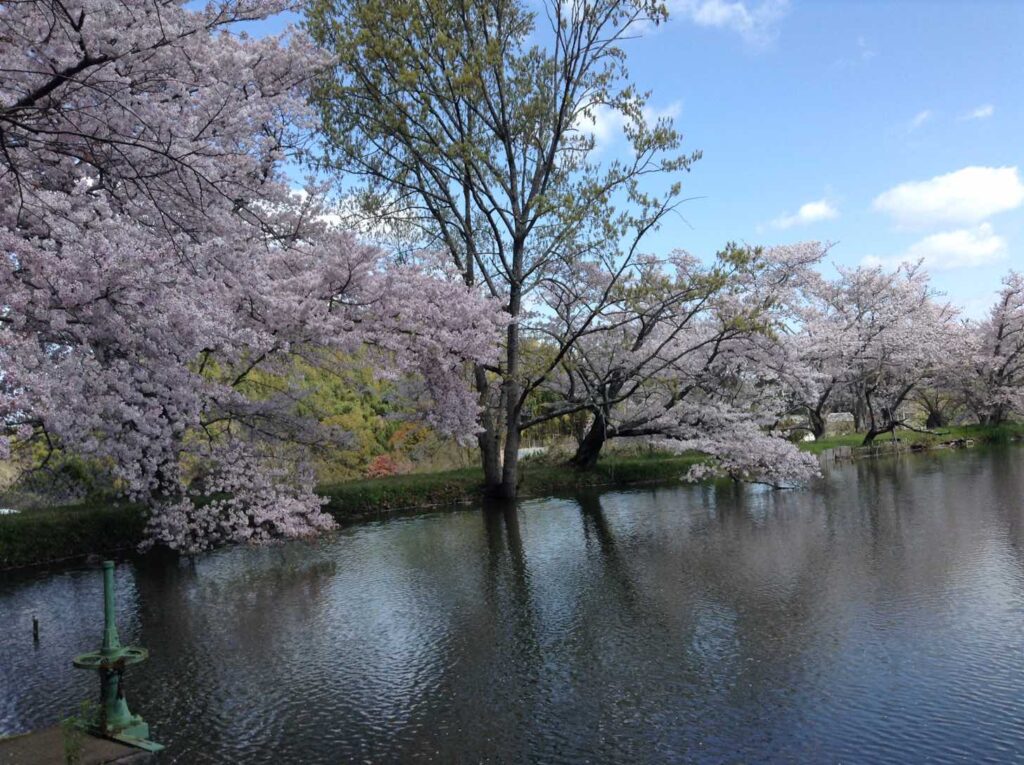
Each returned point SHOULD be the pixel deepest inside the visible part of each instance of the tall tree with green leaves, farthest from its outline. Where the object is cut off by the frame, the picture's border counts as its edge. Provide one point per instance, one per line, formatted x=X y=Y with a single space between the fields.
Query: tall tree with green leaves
x=470 y=127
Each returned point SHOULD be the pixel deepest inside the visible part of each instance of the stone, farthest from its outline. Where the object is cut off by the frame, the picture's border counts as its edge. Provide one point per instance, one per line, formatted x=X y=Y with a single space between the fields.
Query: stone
x=839 y=423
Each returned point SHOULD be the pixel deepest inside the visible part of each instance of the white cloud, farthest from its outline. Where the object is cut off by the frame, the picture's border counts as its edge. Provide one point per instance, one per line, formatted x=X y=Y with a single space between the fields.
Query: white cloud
x=604 y=124
x=962 y=248
x=810 y=212
x=919 y=119
x=980 y=113
x=607 y=125
x=757 y=22
x=332 y=215
x=966 y=196
x=672 y=111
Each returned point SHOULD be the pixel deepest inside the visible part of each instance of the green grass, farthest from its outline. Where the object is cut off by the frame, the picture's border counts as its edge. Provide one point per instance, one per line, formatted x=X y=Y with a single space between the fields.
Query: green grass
x=850 y=439
x=982 y=434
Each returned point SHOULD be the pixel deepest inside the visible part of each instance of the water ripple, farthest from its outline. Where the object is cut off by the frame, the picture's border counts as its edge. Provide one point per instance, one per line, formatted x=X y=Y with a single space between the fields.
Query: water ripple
x=878 y=618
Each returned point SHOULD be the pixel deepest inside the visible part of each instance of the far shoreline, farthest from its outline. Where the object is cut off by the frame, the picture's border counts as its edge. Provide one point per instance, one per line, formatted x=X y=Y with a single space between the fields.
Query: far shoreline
x=66 y=534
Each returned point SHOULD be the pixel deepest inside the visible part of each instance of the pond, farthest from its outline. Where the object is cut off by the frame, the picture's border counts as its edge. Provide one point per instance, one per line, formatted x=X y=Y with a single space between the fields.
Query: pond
x=875 y=617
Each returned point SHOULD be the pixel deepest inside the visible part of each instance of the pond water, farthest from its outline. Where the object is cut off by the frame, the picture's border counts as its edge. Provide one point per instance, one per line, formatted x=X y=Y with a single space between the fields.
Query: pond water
x=876 y=617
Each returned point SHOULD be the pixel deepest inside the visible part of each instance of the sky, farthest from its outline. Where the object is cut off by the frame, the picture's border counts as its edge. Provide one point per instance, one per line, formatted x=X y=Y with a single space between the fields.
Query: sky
x=892 y=130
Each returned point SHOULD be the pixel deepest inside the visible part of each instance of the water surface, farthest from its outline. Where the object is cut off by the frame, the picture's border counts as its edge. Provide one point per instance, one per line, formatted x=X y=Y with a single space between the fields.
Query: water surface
x=877 y=617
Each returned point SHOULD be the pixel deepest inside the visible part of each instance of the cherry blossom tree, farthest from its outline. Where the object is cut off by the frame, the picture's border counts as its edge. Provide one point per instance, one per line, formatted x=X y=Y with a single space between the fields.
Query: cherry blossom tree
x=155 y=258
x=904 y=357
x=993 y=372
x=869 y=339
x=940 y=403
x=685 y=353
x=942 y=400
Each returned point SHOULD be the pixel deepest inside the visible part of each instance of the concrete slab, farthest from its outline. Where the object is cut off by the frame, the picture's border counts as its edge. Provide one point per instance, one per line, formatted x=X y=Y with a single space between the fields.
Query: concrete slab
x=46 y=747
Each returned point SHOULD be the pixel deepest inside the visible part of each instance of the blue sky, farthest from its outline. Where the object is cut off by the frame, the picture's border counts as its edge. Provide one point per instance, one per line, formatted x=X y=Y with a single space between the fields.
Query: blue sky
x=894 y=130
x=832 y=105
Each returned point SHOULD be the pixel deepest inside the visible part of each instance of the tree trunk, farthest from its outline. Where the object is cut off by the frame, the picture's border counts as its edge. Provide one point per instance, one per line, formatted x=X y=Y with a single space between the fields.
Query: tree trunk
x=995 y=415
x=489 y=438
x=861 y=412
x=513 y=407
x=874 y=433
x=510 y=468
x=936 y=419
x=590 y=447
x=490 y=454
x=817 y=423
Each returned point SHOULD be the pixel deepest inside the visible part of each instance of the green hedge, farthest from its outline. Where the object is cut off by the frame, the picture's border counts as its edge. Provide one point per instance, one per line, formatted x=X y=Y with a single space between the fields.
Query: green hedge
x=37 y=536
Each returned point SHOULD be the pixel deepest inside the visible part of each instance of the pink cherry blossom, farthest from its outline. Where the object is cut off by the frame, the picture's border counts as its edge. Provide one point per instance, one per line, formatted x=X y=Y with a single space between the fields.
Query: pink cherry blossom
x=991 y=375
x=155 y=260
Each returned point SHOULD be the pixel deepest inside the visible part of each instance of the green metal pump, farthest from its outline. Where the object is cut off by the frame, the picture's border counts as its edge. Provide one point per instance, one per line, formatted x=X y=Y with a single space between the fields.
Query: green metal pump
x=114 y=720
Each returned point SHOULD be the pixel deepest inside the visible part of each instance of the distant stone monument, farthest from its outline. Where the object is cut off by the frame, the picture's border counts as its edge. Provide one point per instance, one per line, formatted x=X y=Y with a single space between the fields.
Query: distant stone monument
x=839 y=423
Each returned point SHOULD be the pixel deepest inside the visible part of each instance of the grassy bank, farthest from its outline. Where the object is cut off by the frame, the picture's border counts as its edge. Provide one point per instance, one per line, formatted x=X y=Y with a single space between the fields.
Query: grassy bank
x=53 y=534
x=39 y=536
x=359 y=499
x=981 y=434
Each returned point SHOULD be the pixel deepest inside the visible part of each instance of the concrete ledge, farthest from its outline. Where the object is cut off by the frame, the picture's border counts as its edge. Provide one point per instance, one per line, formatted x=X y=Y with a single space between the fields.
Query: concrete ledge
x=46 y=747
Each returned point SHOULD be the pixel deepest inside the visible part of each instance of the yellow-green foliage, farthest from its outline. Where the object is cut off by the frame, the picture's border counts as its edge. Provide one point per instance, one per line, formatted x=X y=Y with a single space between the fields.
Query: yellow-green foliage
x=347 y=393
x=8 y=472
